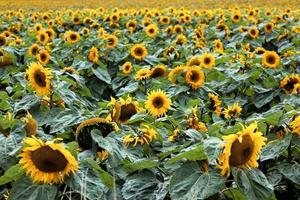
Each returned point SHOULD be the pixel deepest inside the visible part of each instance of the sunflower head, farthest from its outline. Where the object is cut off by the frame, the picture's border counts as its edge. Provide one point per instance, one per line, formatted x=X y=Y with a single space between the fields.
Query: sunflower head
x=2 y=40
x=218 y=45
x=31 y=125
x=39 y=78
x=253 y=32
x=232 y=111
x=43 y=57
x=295 y=126
x=181 y=39
x=138 y=51
x=270 y=59
x=34 y=49
x=143 y=74
x=177 y=71
x=291 y=84
x=127 y=68
x=72 y=37
x=194 y=61
x=158 y=103
x=236 y=17
x=195 y=77
x=165 y=20
x=177 y=29
x=151 y=30
x=93 y=55
x=159 y=71
x=207 y=60
x=46 y=162
x=215 y=104
x=241 y=149
x=268 y=28
x=111 y=41
x=42 y=37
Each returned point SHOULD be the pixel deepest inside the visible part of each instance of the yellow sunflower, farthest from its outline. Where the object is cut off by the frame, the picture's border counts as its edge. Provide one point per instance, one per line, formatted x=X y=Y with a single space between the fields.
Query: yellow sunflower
x=143 y=74
x=194 y=61
x=72 y=37
x=270 y=59
x=218 y=46
x=232 y=111
x=295 y=125
x=2 y=40
x=195 y=77
x=151 y=30
x=236 y=17
x=31 y=125
x=179 y=70
x=43 y=57
x=178 y=29
x=127 y=68
x=42 y=37
x=215 y=104
x=158 y=103
x=165 y=20
x=46 y=162
x=181 y=39
x=291 y=84
x=159 y=71
x=37 y=27
x=93 y=55
x=268 y=28
x=138 y=51
x=34 y=49
x=207 y=60
x=241 y=149
x=253 y=32
x=111 y=41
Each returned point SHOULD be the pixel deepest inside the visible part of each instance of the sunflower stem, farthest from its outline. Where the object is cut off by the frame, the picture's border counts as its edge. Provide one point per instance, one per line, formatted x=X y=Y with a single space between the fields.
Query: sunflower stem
x=145 y=86
x=51 y=100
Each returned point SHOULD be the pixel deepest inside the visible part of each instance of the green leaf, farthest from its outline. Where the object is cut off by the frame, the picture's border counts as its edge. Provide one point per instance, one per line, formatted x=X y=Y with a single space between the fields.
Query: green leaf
x=140 y=164
x=290 y=171
x=25 y=189
x=106 y=177
x=273 y=149
x=188 y=182
x=262 y=99
x=192 y=153
x=12 y=174
x=252 y=183
x=212 y=148
x=234 y=194
x=129 y=88
x=102 y=74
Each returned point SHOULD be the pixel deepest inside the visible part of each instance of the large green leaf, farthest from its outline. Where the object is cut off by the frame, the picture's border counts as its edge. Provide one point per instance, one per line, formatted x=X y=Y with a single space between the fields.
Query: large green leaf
x=140 y=164
x=290 y=171
x=234 y=194
x=12 y=174
x=102 y=74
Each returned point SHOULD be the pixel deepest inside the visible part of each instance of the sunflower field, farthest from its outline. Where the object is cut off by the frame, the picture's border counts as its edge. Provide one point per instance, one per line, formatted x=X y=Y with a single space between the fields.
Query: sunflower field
x=147 y=101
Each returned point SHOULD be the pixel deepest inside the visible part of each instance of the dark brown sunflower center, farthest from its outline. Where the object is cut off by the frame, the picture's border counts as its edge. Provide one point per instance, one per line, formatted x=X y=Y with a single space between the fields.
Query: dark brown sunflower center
x=194 y=76
x=151 y=30
x=207 y=61
x=253 y=32
x=110 y=41
x=289 y=86
x=2 y=41
x=270 y=59
x=127 y=67
x=218 y=45
x=127 y=111
x=269 y=27
x=165 y=20
x=42 y=37
x=236 y=17
x=40 y=78
x=34 y=50
x=158 y=72
x=260 y=51
x=138 y=51
x=158 y=102
x=43 y=57
x=76 y=19
x=241 y=152
x=48 y=160
x=38 y=28
x=73 y=37
x=232 y=113
x=178 y=30
x=114 y=18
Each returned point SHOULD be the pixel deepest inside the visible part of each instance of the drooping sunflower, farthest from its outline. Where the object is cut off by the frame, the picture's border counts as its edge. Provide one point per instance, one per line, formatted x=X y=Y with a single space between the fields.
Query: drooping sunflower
x=127 y=68
x=42 y=37
x=195 y=77
x=291 y=84
x=194 y=61
x=124 y=109
x=232 y=111
x=93 y=55
x=138 y=51
x=72 y=37
x=46 y=162
x=159 y=71
x=34 y=50
x=179 y=70
x=39 y=78
x=215 y=104
x=295 y=125
x=270 y=59
x=111 y=41
x=253 y=32
x=208 y=60
x=146 y=135
x=158 y=103
x=241 y=149
x=43 y=57
x=151 y=30
x=268 y=28
x=194 y=122
x=31 y=125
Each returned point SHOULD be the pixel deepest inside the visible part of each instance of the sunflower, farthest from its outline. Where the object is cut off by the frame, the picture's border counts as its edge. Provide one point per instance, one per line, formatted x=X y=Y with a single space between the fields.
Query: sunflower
x=268 y=28
x=295 y=125
x=207 y=60
x=131 y=24
x=143 y=74
x=83 y=131
x=218 y=46
x=179 y=70
x=194 y=61
x=42 y=37
x=72 y=37
x=51 y=33
x=151 y=30
x=270 y=59
x=158 y=103
x=138 y=51
x=127 y=68
x=34 y=49
x=159 y=71
x=43 y=57
x=46 y=162
x=215 y=104
x=93 y=55
x=76 y=20
x=165 y=20
x=181 y=39
x=195 y=77
x=232 y=111
x=236 y=17
x=37 y=27
x=146 y=136
x=2 y=40
x=102 y=154
x=39 y=78
x=111 y=41
x=124 y=109
x=291 y=84
x=241 y=149
x=31 y=125
x=253 y=32
x=194 y=123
